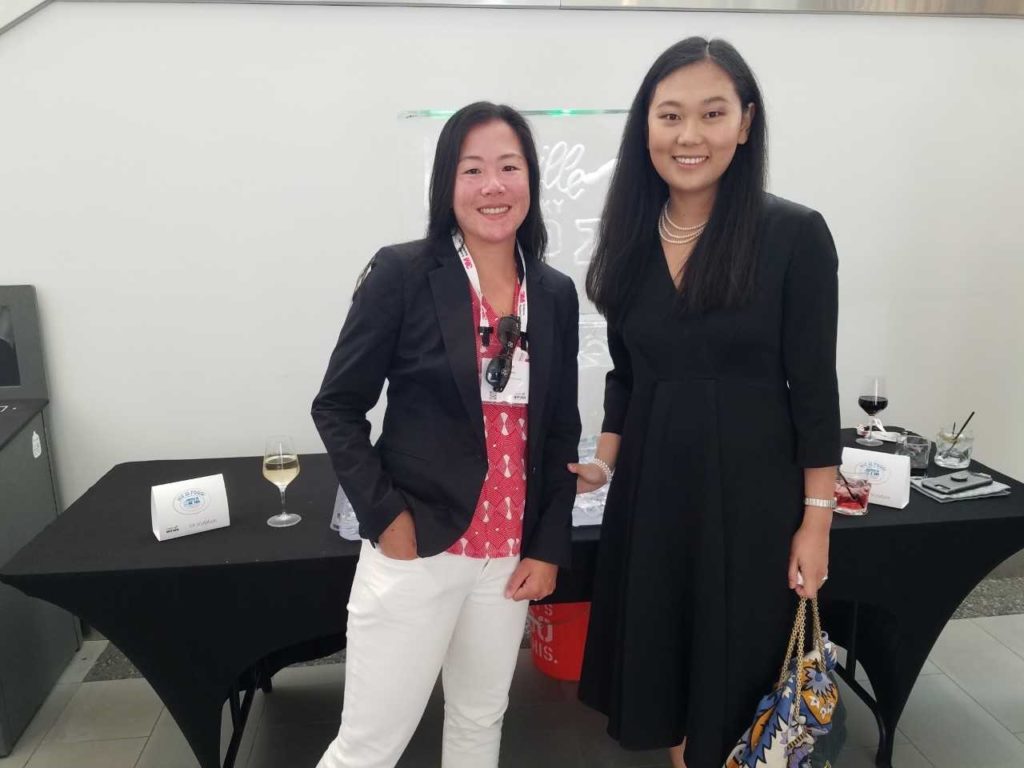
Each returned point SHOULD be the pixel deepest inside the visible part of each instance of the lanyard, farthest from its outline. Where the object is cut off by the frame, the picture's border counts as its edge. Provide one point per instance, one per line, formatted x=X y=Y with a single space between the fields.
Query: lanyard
x=474 y=278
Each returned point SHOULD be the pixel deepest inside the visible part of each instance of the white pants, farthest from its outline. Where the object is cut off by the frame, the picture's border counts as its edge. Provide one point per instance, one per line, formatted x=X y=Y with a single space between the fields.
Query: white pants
x=408 y=620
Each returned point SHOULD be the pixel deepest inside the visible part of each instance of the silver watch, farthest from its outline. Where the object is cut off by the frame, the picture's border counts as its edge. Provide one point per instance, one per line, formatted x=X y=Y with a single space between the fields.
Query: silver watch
x=823 y=503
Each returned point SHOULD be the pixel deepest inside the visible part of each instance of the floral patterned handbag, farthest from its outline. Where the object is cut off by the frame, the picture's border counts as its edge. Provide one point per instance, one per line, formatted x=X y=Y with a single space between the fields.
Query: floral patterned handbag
x=799 y=710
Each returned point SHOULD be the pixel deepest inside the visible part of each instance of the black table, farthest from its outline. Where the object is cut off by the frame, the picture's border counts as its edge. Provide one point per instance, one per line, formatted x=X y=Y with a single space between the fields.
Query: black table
x=210 y=617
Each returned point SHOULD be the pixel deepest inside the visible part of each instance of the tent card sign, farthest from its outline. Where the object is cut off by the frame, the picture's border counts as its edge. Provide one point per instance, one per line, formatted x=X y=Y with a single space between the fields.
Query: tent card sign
x=889 y=475
x=190 y=506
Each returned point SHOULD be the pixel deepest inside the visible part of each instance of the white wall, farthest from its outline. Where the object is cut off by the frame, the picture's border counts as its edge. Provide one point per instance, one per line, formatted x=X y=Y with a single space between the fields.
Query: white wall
x=193 y=188
x=11 y=11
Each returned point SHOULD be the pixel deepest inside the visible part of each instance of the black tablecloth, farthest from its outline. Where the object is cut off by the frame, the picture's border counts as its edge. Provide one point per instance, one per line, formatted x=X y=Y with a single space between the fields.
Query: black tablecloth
x=197 y=614
x=194 y=613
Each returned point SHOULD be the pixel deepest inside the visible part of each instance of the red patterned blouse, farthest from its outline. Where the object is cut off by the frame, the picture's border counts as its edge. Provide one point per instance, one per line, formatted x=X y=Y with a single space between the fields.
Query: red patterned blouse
x=497 y=526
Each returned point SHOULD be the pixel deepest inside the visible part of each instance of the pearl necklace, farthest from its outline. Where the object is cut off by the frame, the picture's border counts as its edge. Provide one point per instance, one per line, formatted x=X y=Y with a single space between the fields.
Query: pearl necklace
x=681 y=235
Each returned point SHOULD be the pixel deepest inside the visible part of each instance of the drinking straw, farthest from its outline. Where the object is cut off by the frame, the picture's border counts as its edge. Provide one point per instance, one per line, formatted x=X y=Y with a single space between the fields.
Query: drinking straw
x=843 y=478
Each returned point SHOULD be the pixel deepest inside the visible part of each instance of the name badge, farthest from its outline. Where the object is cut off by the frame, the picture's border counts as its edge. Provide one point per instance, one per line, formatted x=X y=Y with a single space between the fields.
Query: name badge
x=517 y=391
x=190 y=506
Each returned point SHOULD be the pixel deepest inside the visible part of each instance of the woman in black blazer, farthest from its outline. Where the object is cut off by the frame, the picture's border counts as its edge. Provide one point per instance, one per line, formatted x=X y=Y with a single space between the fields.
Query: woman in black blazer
x=465 y=501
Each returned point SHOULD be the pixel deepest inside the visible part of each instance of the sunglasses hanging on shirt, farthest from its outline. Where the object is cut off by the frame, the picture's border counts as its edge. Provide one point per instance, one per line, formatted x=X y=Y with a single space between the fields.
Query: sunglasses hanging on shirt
x=511 y=329
x=486 y=331
x=500 y=368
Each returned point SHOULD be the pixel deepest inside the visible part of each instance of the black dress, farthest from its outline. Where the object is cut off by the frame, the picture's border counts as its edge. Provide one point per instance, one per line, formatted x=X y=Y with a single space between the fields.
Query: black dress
x=719 y=414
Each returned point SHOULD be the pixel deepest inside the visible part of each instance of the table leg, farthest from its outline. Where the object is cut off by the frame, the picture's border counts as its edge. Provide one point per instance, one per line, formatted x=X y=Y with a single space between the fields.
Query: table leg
x=848 y=673
x=240 y=705
x=264 y=678
x=883 y=757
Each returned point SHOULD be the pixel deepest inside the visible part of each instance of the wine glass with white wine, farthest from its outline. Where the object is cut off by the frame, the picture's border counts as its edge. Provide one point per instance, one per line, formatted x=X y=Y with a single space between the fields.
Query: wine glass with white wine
x=281 y=466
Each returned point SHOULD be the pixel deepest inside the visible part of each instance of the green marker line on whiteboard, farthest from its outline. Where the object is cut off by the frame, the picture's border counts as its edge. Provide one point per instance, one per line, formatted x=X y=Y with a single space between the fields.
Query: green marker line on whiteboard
x=446 y=113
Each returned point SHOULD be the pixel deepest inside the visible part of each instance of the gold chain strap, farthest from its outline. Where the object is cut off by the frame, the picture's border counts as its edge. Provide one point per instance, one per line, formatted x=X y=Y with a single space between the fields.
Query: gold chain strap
x=798 y=632
x=797 y=638
x=819 y=641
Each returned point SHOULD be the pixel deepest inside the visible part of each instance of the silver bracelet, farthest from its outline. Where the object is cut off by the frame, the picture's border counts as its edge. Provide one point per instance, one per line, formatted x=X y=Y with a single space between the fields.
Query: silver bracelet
x=823 y=503
x=603 y=466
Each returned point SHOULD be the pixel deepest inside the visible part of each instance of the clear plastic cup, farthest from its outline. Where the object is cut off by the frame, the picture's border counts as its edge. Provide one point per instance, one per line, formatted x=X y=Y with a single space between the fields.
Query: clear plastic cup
x=853 y=489
x=954 y=452
x=918 y=449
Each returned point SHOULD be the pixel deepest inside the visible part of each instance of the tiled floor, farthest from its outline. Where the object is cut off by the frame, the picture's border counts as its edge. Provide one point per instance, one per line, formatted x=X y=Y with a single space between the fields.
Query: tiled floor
x=966 y=711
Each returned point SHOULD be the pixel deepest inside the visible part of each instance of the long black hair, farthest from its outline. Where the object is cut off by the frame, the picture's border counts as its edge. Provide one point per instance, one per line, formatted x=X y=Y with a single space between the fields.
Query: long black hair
x=532 y=234
x=720 y=271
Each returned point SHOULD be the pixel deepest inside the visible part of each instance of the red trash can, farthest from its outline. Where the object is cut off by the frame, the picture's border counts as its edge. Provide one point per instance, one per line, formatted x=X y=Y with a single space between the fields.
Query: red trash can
x=557 y=636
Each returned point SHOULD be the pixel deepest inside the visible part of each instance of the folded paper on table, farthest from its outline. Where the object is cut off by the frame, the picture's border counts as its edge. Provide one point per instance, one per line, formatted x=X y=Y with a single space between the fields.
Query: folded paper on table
x=189 y=506
x=889 y=475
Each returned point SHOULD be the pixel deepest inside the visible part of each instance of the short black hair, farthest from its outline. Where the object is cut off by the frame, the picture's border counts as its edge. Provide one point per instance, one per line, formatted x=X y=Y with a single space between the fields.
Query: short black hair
x=532 y=234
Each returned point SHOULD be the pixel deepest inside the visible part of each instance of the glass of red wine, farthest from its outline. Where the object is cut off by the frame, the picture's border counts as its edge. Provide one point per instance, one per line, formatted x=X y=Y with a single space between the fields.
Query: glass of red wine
x=872 y=400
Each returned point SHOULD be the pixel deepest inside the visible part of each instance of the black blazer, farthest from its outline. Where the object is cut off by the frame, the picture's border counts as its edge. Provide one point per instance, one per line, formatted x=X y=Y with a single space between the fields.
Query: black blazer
x=411 y=323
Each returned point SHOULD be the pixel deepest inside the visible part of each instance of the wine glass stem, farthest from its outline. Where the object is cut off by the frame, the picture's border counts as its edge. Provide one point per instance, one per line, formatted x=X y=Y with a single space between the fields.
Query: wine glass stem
x=283 y=512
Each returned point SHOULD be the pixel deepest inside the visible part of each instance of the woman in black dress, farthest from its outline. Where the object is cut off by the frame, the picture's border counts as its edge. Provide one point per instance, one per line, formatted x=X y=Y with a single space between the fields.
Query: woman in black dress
x=721 y=413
